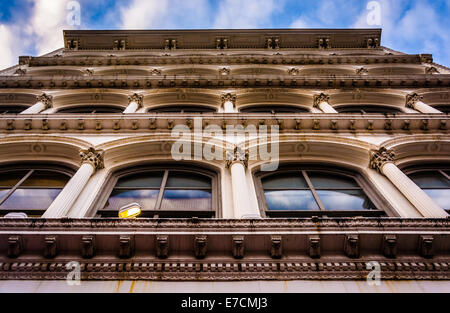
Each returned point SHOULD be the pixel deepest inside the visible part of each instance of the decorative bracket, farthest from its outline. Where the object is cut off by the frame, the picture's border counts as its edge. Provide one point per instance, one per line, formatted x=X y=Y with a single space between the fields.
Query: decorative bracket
x=14 y=246
x=351 y=246
x=238 y=247
x=276 y=249
x=314 y=246
x=390 y=246
x=126 y=247
x=426 y=246
x=200 y=246
x=50 y=246
x=162 y=247
x=87 y=246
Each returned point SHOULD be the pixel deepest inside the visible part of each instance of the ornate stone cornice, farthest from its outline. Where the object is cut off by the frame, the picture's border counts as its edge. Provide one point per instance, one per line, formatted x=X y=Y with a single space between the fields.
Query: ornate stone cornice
x=139 y=99
x=318 y=99
x=228 y=98
x=412 y=99
x=93 y=157
x=380 y=158
x=47 y=100
x=89 y=242
x=238 y=155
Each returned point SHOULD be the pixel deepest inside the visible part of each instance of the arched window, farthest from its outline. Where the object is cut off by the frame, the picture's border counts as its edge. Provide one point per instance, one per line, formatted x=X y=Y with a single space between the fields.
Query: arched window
x=364 y=109
x=313 y=191
x=164 y=193
x=435 y=182
x=30 y=190
x=274 y=109
x=443 y=108
x=12 y=109
x=98 y=109
x=183 y=109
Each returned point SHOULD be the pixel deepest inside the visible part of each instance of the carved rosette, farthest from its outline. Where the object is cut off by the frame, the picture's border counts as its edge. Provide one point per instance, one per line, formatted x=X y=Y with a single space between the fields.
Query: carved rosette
x=412 y=99
x=229 y=98
x=238 y=155
x=93 y=157
x=380 y=158
x=139 y=99
x=318 y=99
x=47 y=100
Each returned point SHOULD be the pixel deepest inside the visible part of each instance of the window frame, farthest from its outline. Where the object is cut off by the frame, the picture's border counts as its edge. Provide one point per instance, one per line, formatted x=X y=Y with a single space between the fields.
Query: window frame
x=160 y=109
x=360 y=107
x=302 y=109
x=383 y=207
x=215 y=211
x=92 y=107
x=29 y=170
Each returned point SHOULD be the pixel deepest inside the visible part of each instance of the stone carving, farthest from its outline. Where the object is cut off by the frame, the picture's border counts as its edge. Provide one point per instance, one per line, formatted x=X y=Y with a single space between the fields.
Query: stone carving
x=224 y=71
x=390 y=246
x=372 y=43
x=412 y=99
x=72 y=44
x=431 y=70
x=228 y=98
x=273 y=43
x=314 y=246
x=50 y=246
x=362 y=71
x=89 y=72
x=126 y=246
x=294 y=71
x=47 y=100
x=93 y=157
x=351 y=246
x=276 y=248
x=87 y=246
x=14 y=246
x=162 y=247
x=120 y=44
x=238 y=247
x=238 y=155
x=170 y=44
x=318 y=99
x=426 y=246
x=200 y=246
x=20 y=72
x=323 y=43
x=380 y=158
x=156 y=72
x=221 y=43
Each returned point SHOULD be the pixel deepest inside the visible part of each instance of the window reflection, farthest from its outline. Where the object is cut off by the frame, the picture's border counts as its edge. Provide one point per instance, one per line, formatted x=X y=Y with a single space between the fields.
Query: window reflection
x=436 y=184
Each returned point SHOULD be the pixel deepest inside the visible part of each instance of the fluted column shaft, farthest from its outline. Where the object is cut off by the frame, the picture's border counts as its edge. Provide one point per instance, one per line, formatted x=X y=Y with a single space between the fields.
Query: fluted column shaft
x=91 y=161
x=131 y=108
x=43 y=102
x=383 y=161
x=241 y=199
x=414 y=101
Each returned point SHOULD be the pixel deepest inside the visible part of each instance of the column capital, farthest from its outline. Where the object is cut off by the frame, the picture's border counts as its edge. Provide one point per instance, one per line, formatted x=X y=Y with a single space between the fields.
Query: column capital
x=46 y=99
x=238 y=155
x=412 y=99
x=229 y=98
x=93 y=157
x=319 y=98
x=379 y=158
x=138 y=98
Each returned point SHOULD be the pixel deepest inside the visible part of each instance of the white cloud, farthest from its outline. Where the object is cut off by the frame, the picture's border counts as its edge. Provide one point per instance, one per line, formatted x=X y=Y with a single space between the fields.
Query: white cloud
x=246 y=13
x=6 y=48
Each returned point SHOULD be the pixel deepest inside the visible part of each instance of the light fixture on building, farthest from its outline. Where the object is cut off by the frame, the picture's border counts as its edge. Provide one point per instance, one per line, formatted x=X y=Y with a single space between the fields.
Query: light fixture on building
x=130 y=211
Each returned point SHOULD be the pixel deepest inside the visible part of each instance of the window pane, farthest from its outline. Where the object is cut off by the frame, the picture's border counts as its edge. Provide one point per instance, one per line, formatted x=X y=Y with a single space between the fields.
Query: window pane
x=143 y=180
x=430 y=179
x=331 y=181
x=120 y=198
x=285 y=181
x=187 y=180
x=3 y=192
x=345 y=200
x=286 y=200
x=46 y=179
x=440 y=196
x=11 y=178
x=187 y=200
x=30 y=199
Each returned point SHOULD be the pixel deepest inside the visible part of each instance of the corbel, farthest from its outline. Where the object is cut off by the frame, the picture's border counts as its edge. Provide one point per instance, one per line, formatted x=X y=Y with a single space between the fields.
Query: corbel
x=276 y=247
x=14 y=246
x=314 y=246
x=200 y=246
x=426 y=246
x=162 y=246
x=238 y=247
x=351 y=246
x=50 y=246
x=390 y=246
x=87 y=246
x=126 y=246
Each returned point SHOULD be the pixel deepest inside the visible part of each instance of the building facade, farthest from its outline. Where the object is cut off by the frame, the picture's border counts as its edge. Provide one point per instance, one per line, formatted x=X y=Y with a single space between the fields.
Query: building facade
x=309 y=158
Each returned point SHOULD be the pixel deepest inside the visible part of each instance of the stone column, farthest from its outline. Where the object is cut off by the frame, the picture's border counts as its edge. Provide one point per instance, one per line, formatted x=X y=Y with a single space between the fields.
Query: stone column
x=237 y=163
x=383 y=161
x=91 y=160
x=229 y=103
x=414 y=101
x=43 y=103
x=135 y=102
x=321 y=103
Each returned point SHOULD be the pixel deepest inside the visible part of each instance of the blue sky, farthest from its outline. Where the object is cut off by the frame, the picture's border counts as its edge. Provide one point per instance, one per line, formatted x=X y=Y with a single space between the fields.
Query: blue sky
x=34 y=27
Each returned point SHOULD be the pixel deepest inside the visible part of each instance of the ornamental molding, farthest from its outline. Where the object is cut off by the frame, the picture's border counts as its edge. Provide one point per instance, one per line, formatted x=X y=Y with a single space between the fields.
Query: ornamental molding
x=93 y=157
x=412 y=99
x=46 y=99
x=228 y=98
x=318 y=99
x=380 y=158
x=148 y=249
x=238 y=155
